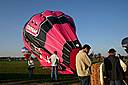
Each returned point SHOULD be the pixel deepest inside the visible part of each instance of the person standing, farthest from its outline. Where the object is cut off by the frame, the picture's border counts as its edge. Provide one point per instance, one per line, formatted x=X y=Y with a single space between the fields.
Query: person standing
x=31 y=67
x=83 y=65
x=114 y=69
x=54 y=60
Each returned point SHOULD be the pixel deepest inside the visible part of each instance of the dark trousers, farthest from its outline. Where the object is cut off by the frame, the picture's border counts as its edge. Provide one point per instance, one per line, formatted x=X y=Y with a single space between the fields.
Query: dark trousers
x=115 y=82
x=54 y=73
x=85 y=80
x=30 y=73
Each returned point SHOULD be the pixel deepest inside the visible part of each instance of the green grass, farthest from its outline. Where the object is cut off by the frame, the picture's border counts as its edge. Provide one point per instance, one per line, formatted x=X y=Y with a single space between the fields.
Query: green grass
x=13 y=67
x=20 y=67
x=17 y=70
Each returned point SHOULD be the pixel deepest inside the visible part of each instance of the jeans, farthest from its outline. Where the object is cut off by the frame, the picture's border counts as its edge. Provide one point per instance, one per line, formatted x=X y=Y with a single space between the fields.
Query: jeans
x=54 y=73
x=85 y=80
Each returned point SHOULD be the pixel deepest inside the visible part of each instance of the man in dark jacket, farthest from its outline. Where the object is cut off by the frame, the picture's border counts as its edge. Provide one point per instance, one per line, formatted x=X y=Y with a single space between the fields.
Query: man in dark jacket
x=113 y=69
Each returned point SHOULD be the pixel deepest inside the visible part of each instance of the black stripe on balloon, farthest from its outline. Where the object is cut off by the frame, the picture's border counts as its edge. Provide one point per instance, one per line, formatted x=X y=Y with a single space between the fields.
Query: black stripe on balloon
x=63 y=20
x=47 y=25
x=60 y=20
x=32 y=39
x=28 y=37
x=67 y=49
x=35 y=41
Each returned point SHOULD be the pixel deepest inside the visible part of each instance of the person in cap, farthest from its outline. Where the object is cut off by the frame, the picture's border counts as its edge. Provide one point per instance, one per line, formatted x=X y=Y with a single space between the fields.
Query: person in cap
x=83 y=64
x=114 y=69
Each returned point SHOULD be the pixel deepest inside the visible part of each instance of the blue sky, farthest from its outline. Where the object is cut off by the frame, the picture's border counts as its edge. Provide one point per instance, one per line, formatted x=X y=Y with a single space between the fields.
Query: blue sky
x=100 y=23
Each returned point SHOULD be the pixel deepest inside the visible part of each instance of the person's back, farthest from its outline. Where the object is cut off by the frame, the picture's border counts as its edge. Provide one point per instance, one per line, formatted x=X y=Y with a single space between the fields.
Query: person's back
x=113 y=68
x=54 y=59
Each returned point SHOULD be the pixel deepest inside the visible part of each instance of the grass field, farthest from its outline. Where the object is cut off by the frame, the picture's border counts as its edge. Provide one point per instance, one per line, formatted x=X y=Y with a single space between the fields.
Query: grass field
x=17 y=70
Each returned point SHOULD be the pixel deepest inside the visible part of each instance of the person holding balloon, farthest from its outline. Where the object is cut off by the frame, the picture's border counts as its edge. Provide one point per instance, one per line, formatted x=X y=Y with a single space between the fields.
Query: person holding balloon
x=54 y=63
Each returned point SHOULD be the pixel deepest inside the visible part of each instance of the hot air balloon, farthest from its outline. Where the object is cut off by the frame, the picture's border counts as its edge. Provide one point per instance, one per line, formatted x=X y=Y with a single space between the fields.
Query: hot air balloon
x=51 y=31
x=125 y=44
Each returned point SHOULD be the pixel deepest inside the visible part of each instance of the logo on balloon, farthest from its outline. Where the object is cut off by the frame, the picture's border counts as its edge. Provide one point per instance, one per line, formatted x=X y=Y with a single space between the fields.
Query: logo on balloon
x=31 y=30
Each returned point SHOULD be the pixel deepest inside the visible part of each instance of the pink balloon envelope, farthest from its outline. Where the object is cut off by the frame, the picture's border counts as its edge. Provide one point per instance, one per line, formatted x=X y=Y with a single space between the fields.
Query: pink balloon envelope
x=51 y=31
